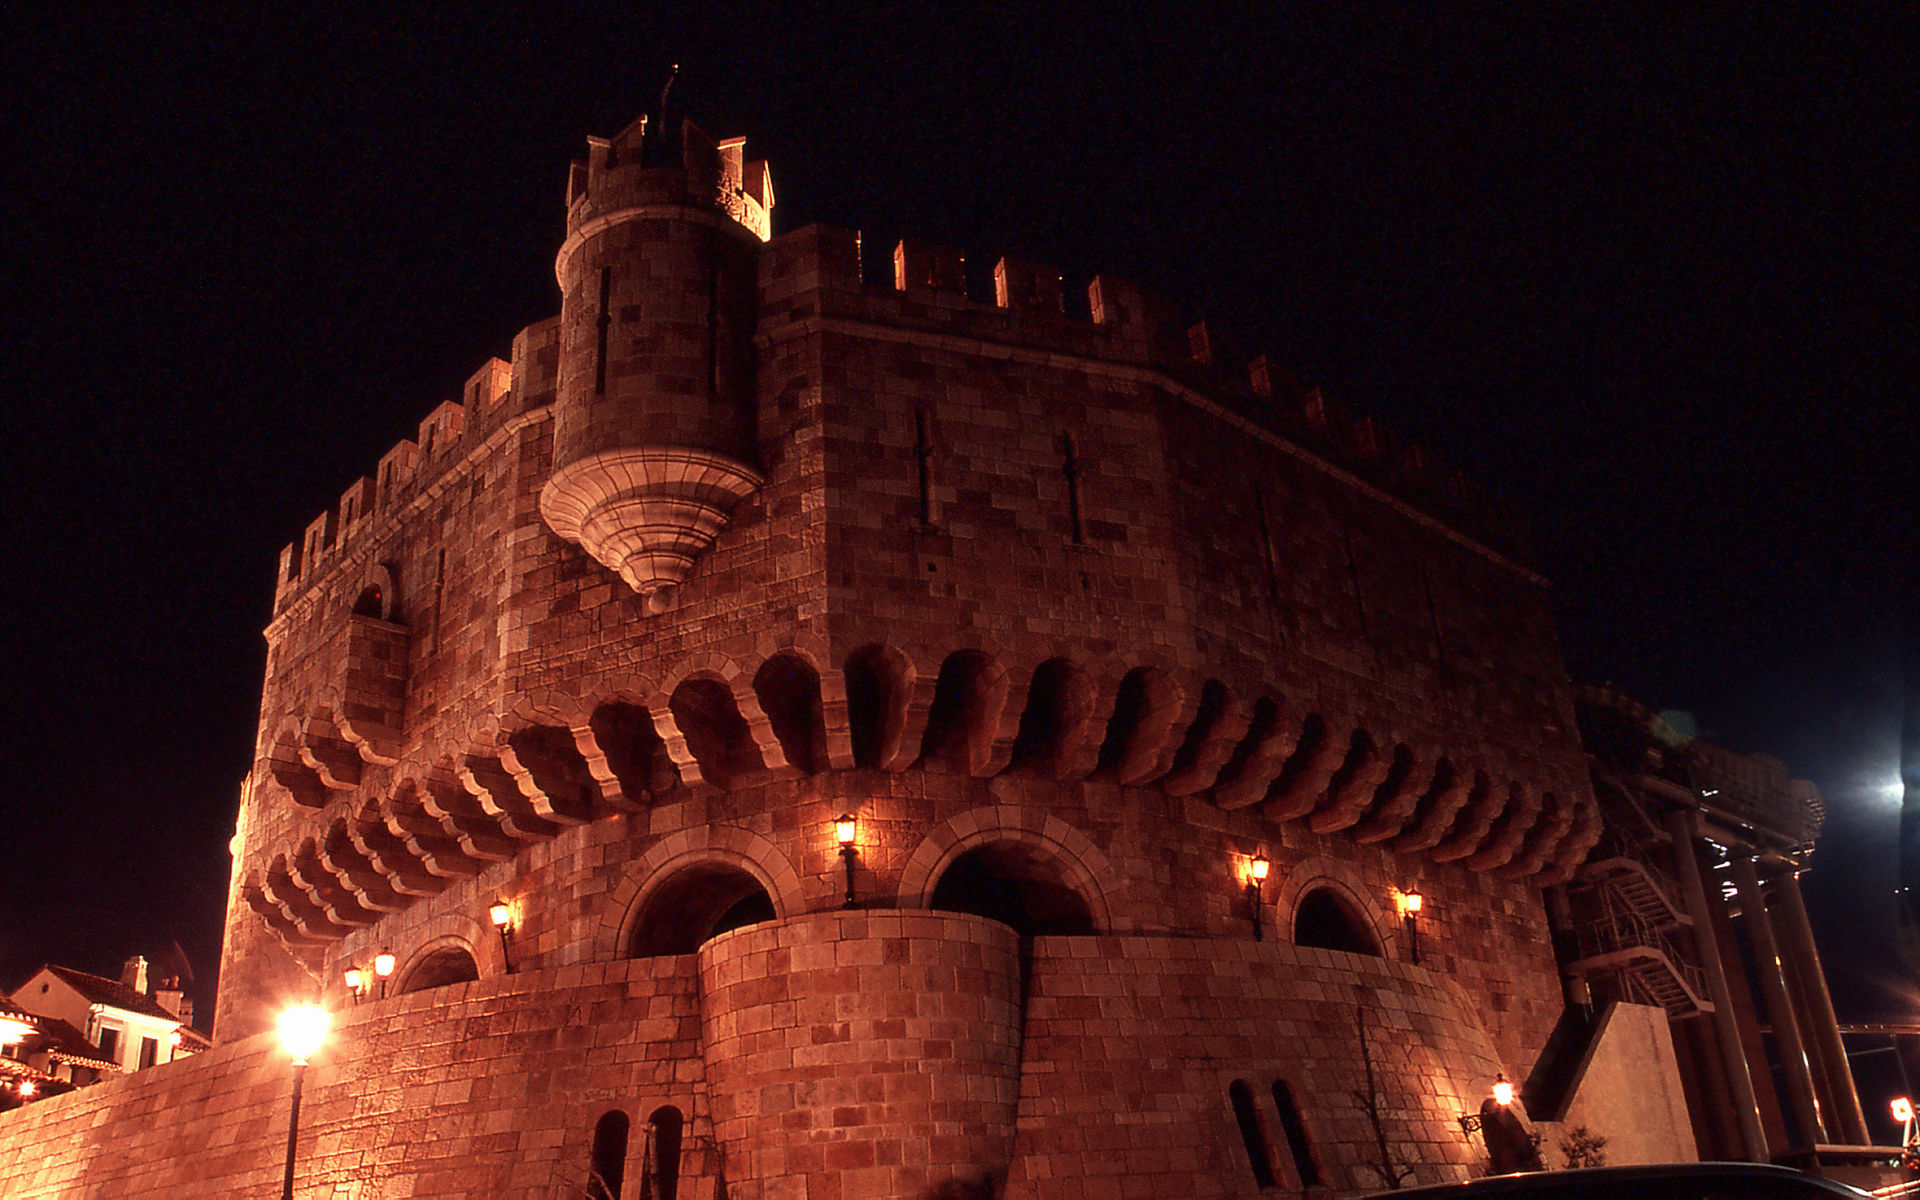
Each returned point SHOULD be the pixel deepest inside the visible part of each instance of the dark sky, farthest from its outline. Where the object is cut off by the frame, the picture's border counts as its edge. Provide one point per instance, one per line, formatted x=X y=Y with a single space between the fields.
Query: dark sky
x=1649 y=277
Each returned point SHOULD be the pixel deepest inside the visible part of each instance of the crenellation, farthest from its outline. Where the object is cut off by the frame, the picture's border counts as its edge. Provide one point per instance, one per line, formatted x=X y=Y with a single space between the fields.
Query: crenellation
x=1070 y=616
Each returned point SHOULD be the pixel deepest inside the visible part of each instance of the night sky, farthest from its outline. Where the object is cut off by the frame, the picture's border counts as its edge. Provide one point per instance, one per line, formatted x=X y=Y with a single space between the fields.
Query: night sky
x=1648 y=278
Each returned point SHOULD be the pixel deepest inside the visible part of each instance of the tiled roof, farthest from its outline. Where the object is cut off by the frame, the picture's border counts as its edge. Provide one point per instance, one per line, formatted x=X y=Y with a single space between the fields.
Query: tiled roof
x=68 y=1044
x=100 y=990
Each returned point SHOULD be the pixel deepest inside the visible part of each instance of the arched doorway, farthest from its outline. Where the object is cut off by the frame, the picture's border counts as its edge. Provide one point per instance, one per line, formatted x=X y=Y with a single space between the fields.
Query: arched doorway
x=446 y=965
x=695 y=904
x=1015 y=884
x=1325 y=921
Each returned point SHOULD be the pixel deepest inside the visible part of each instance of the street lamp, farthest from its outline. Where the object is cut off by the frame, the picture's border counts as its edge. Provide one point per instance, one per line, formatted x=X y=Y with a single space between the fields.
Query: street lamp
x=1257 y=869
x=845 y=828
x=1410 y=905
x=383 y=967
x=501 y=914
x=302 y=1029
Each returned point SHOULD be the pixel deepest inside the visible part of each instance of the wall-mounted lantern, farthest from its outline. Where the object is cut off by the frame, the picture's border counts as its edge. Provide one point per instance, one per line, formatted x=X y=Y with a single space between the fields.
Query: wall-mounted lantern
x=1257 y=868
x=1509 y=1145
x=501 y=914
x=383 y=964
x=845 y=830
x=1411 y=902
x=356 y=981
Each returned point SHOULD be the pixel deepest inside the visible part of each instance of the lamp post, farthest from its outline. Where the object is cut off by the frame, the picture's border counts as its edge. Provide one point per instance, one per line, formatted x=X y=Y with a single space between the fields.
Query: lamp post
x=1257 y=869
x=383 y=967
x=302 y=1029
x=501 y=914
x=845 y=828
x=1411 y=902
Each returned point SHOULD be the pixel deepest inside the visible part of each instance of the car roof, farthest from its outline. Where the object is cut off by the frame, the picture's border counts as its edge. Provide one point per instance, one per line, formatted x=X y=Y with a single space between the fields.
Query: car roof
x=1654 y=1181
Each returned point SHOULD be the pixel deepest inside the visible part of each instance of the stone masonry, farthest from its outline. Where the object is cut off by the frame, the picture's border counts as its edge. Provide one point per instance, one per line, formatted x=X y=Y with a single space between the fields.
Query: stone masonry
x=1075 y=616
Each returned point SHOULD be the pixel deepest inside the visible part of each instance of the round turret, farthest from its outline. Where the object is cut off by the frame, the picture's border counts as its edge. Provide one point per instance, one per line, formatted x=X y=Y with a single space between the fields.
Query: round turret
x=654 y=424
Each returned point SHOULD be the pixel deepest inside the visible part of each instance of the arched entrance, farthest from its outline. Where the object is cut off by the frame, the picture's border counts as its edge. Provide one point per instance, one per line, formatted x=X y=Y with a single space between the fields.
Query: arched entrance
x=1326 y=922
x=1013 y=883
x=448 y=964
x=695 y=904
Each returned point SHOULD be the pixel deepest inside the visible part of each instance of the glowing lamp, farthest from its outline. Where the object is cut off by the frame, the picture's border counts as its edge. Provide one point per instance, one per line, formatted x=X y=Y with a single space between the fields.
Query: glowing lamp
x=174 y=1038
x=1902 y=1109
x=844 y=829
x=13 y=1030
x=27 y=1089
x=1410 y=902
x=383 y=963
x=1259 y=867
x=1502 y=1091
x=500 y=913
x=302 y=1029
x=356 y=979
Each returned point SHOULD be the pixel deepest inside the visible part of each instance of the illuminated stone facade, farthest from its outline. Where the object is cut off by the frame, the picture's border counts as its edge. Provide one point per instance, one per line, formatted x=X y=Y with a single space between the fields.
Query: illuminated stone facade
x=1074 y=615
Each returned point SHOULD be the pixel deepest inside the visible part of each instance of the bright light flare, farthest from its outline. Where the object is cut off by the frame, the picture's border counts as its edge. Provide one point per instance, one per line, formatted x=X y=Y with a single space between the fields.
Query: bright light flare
x=1902 y=1109
x=1502 y=1092
x=302 y=1029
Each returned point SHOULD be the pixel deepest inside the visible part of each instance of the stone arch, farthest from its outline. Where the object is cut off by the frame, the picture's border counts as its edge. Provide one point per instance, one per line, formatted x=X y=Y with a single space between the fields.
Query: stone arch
x=1339 y=881
x=1150 y=708
x=1260 y=755
x=716 y=736
x=544 y=758
x=1351 y=788
x=963 y=722
x=1080 y=866
x=1057 y=717
x=376 y=598
x=787 y=686
x=625 y=752
x=880 y=684
x=283 y=764
x=439 y=963
x=1219 y=722
x=721 y=845
x=470 y=933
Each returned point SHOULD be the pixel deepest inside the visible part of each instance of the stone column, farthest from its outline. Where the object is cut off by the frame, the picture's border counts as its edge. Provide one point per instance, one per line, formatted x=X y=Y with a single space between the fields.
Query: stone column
x=1786 y=1028
x=1733 y=1058
x=1823 y=1028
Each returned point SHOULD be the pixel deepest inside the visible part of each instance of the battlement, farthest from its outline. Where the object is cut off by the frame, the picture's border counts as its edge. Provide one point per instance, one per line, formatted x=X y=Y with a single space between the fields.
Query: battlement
x=634 y=169
x=402 y=471
x=822 y=272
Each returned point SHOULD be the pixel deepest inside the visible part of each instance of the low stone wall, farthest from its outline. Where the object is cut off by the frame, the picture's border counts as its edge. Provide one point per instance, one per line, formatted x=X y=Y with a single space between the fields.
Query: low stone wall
x=1132 y=1045
x=489 y=1088
x=862 y=1053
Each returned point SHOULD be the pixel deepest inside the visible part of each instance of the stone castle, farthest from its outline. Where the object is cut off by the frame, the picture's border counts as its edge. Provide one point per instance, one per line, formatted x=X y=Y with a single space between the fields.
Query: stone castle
x=1212 y=771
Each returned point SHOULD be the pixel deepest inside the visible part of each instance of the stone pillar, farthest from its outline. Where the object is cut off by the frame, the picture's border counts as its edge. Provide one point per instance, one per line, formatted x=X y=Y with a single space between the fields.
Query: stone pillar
x=875 y=1051
x=1823 y=1029
x=1733 y=1058
x=1786 y=1028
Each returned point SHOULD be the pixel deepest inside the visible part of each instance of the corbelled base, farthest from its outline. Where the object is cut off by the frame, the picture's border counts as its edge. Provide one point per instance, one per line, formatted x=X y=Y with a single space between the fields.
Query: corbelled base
x=646 y=512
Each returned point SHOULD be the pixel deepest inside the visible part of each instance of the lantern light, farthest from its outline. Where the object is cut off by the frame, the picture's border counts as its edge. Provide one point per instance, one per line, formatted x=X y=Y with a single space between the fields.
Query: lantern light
x=1411 y=901
x=12 y=1030
x=1902 y=1109
x=1259 y=867
x=1502 y=1091
x=383 y=963
x=501 y=914
x=302 y=1029
x=356 y=980
x=27 y=1089
x=844 y=829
